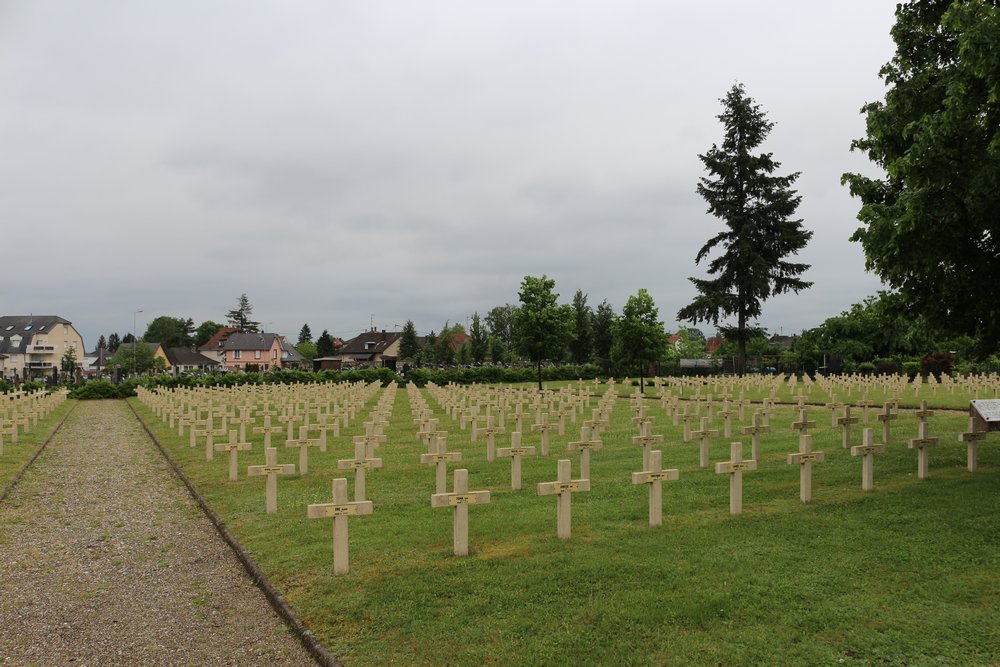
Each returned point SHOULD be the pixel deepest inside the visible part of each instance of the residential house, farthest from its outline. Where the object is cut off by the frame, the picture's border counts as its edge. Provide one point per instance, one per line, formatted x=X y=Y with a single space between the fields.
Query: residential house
x=371 y=348
x=262 y=351
x=290 y=357
x=713 y=343
x=782 y=342
x=35 y=344
x=182 y=359
x=213 y=347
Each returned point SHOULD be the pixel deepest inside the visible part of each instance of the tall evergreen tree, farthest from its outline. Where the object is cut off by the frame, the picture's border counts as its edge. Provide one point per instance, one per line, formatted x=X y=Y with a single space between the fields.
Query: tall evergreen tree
x=114 y=340
x=305 y=335
x=102 y=343
x=239 y=316
x=582 y=347
x=478 y=345
x=325 y=346
x=756 y=207
x=604 y=334
x=409 y=343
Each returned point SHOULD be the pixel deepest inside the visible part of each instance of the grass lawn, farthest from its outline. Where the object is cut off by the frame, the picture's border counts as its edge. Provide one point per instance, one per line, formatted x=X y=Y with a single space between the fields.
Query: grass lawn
x=15 y=455
x=906 y=574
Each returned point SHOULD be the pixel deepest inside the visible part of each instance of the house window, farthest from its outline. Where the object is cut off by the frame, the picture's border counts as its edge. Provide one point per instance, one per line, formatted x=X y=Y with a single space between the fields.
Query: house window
x=237 y=354
x=274 y=354
x=256 y=354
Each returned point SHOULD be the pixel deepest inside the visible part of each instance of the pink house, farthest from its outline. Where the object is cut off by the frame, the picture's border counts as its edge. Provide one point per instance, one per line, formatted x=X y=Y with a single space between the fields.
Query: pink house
x=262 y=350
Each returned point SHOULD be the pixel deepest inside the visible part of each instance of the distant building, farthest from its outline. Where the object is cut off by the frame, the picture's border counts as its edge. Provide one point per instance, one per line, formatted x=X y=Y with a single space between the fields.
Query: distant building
x=262 y=351
x=34 y=345
x=371 y=348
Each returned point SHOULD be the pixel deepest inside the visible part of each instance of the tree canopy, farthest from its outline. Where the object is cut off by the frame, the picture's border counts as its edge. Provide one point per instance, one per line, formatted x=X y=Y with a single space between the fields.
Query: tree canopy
x=542 y=327
x=239 y=316
x=757 y=207
x=639 y=336
x=170 y=331
x=931 y=224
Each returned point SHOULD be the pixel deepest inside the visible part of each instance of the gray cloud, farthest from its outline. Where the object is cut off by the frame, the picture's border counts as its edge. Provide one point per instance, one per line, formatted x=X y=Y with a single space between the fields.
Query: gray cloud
x=406 y=160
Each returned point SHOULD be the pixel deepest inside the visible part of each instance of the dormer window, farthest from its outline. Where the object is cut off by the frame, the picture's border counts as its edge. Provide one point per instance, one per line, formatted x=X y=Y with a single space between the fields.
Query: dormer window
x=370 y=345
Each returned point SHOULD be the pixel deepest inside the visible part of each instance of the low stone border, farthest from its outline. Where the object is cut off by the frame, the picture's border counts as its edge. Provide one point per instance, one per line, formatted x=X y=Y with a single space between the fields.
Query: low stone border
x=17 y=478
x=287 y=614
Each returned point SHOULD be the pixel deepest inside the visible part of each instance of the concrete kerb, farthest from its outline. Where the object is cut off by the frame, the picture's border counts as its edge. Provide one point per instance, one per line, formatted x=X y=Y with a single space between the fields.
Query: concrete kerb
x=282 y=608
x=17 y=478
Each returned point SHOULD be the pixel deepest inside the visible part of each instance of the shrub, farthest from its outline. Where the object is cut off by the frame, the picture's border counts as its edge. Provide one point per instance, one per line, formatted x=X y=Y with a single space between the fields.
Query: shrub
x=95 y=390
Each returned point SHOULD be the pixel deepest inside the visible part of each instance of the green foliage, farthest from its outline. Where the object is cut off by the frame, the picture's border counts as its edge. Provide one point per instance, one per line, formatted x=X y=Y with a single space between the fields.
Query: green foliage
x=500 y=324
x=114 y=340
x=582 y=347
x=307 y=349
x=409 y=343
x=205 y=331
x=543 y=328
x=478 y=346
x=68 y=362
x=305 y=335
x=6 y=387
x=95 y=390
x=444 y=353
x=757 y=207
x=604 y=334
x=639 y=337
x=133 y=358
x=239 y=316
x=170 y=331
x=929 y=226
x=324 y=345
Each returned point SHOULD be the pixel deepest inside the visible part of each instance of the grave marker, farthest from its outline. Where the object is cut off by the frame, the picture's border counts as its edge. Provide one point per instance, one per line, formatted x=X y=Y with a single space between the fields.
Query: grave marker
x=514 y=453
x=735 y=467
x=654 y=475
x=805 y=458
x=340 y=509
x=270 y=470
x=233 y=447
x=460 y=500
x=921 y=443
x=563 y=487
x=867 y=451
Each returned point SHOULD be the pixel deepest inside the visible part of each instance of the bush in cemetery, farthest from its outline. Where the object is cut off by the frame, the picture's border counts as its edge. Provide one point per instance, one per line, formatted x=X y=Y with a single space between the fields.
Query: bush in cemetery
x=96 y=390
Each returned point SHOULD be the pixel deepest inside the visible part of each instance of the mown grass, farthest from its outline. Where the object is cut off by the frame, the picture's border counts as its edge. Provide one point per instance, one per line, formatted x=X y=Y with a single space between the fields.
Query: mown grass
x=906 y=574
x=15 y=455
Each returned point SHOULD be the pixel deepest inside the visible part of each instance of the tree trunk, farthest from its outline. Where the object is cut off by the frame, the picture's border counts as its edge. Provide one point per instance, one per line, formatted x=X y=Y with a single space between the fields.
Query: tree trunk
x=741 y=345
x=539 y=364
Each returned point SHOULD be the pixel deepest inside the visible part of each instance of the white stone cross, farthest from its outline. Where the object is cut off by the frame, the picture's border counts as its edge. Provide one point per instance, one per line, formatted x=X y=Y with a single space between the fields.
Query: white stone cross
x=886 y=417
x=544 y=427
x=704 y=435
x=867 y=451
x=735 y=467
x=654 y=475
x=304 y=442
x=340 y=509
x=587 y=442
x=921 y=443
x=845 y=425
x=233 y=447
x=460 y=500
x=805 y=458
x=514 y=453
x=758 y=427
x=972 y=438
x=563 y=487
x=440 y=458
x=271 y=469
x=646 y=439
x=359 y=464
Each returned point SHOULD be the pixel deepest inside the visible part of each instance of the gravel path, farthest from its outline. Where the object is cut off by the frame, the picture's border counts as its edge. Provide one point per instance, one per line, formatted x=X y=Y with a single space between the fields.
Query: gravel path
x=106 y=560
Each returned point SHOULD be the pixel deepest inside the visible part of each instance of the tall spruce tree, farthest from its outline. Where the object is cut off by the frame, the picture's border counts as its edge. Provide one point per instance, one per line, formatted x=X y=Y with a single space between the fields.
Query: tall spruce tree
x=604 y=334
x=583 y=344
x=239 y=316
x=305 y=334
x=409 y=344
x=324 y=345
x=478 y=346
x=757 y=207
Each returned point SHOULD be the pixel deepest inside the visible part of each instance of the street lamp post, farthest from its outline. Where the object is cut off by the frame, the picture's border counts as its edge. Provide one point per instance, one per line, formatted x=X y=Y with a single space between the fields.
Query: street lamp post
x=135 y=361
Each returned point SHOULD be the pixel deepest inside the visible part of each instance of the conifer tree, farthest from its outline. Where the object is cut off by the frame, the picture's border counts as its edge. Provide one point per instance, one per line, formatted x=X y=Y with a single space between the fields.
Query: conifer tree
x=756 y=207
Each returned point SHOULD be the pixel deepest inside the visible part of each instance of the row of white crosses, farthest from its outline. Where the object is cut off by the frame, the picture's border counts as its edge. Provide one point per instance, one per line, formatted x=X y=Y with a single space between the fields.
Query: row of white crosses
x=21 y=411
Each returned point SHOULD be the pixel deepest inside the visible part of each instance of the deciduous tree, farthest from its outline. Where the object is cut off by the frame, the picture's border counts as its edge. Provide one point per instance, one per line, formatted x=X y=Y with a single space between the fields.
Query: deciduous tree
x=756 y=207
x=542 y=327
x=931 y=224
x=640 y=340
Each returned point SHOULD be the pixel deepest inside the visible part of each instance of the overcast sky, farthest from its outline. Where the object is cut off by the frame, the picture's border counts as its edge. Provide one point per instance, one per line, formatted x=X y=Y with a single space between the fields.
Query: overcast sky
x=349 y=162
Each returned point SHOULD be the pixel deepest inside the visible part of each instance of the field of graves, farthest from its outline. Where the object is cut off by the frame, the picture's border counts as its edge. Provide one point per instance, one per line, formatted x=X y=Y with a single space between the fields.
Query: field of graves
x=26 y=421
x=906 y=573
